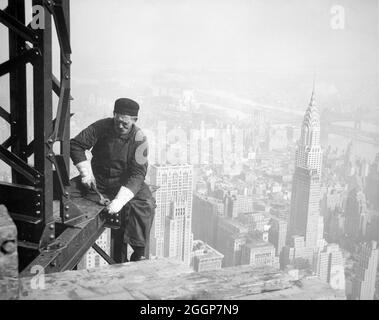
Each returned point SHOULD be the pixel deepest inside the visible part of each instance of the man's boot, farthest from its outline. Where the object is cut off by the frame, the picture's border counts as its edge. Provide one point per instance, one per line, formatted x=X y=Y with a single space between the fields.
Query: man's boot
x=138 y=254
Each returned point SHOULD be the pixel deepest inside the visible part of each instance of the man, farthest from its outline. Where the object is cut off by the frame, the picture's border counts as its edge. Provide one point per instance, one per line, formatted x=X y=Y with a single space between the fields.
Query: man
x=118 y=169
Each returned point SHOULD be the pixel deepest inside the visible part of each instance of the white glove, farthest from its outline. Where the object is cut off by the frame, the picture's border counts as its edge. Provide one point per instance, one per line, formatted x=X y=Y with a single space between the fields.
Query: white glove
x=122 y=198
x=86 y=173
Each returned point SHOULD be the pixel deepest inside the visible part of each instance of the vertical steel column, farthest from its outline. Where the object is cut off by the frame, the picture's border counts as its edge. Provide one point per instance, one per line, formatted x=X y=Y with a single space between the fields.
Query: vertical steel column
x=43 y=122
x=66 y=75
x=17 y=85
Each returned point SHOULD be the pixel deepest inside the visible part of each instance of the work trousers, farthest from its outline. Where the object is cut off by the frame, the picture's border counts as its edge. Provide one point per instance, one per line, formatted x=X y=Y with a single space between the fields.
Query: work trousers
x=136 y=218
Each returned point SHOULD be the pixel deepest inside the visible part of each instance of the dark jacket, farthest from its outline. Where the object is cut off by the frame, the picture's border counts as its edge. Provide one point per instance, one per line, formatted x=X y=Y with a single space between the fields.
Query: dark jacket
x=117 y=160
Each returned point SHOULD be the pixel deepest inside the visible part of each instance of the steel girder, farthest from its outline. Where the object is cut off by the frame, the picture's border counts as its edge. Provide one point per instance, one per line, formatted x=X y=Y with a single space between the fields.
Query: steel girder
x=56 y=245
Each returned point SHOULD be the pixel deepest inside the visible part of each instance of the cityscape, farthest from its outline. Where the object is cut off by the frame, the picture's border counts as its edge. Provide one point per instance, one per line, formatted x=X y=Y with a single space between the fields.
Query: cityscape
x=253 y=166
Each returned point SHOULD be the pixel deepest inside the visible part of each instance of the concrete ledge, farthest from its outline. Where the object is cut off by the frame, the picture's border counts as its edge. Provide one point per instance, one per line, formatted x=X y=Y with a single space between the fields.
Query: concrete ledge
x=166 y=279
x=8 y=257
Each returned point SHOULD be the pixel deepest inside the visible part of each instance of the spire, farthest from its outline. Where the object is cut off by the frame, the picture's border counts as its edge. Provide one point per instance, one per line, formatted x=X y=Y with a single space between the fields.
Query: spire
x=313 y=99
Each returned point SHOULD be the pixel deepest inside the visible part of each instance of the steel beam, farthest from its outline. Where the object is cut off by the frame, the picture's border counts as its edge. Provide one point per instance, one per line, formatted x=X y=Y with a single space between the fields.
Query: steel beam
x=43 y=119
x=16 y=26
x=33 y=175
x=7 y=143
x=70 y=246
x=18 y=61
x=66 y=76
x=58 y=9
x=103 y=254
x=5 y=115
x=17 y=83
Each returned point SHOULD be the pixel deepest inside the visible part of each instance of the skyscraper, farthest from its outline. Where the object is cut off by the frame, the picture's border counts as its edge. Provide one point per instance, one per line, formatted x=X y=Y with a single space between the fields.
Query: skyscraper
x=171 y=233
x=329 y=266
x=231 y=236
x=277 y=234
x=178 y=235
x=305 y=203
x=365 y=272
x=355 y=209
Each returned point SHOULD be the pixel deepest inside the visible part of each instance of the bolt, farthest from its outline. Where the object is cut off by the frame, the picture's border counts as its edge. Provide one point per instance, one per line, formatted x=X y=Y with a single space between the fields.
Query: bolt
x=9 y=247
x=67 y=216
x=66 y=207
x=38 y=212
x=50 y=141
x=53 y=264
x=38 y=204
x=117 y=215
x=66 y=194
x=111 y=220
x=67 y=77
x=38 y=176
x=117 y=221
x=50 y=155
x=51 y=227
x=52 y=237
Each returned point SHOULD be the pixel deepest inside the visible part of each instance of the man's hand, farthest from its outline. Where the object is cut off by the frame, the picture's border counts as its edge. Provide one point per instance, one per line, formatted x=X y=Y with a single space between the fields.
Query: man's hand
x=115 y=206
x=122 y=198
x=86 y=173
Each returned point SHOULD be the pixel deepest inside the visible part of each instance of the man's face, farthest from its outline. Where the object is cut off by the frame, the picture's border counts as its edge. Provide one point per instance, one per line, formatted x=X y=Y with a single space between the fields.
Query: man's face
x=123 y=123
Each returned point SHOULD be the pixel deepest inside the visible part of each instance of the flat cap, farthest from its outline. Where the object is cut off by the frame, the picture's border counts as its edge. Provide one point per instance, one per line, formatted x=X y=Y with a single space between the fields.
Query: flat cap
x=126 y=106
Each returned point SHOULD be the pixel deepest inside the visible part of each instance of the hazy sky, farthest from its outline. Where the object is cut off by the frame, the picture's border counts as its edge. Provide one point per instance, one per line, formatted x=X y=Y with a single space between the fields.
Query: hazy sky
x=285 y=36
x=266 y=34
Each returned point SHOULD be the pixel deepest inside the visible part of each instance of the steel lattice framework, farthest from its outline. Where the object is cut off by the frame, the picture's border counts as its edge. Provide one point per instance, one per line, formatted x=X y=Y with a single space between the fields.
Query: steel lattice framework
x=55 y=242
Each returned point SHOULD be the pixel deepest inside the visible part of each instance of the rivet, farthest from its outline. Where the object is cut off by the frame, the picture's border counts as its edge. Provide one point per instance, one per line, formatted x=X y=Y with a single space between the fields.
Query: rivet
x=117 y=221
x=38 y=212
x=50 y=141
x=67 y=216
x=52 y=237
x=53 y=264
x=38 y=204
x=67 y=76
x=51 y=227
x=9 y=247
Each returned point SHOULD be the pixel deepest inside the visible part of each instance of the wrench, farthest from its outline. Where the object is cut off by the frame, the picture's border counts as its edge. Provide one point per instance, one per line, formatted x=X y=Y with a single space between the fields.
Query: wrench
x=103 y=201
